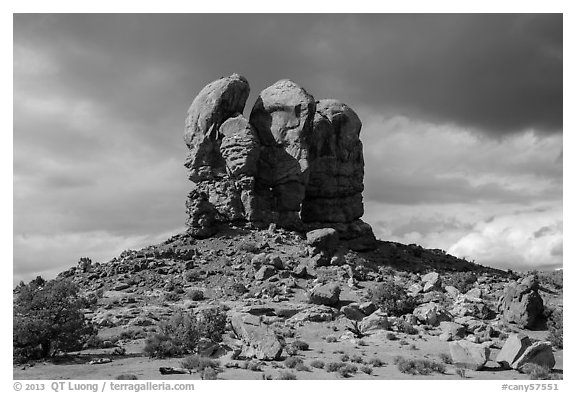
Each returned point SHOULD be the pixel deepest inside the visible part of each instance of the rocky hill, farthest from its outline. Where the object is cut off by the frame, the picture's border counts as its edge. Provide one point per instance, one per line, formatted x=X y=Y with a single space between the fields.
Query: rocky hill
x=277 y=276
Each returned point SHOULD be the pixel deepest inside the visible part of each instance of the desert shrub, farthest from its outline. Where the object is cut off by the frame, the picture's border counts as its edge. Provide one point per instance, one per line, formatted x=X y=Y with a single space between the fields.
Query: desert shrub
x=317 y=363
x=195 y=294
x=171 y=297
x=209 y=374
x=362 y=343
x=356 y=359
x=391 y=336
x=292 y=361
x=331 y=339
x=301 y=345
x=366 y=370
x=555 y=328
x=446 y=358
x=347 y=370
x=291 y=351
x=199 y=363
x=94 y=342
x=536 y=371
x=392 y=299
x=286 y=375
x=344 y=357
x=302 y=367
x=239 y=288
x=192 y=275
x=180 y=334
x=252 y=365
x=48 y=318
x=129 y=377
x=463 y=281
x=406 y=327
x=334 y=366
x=131 y=334
x=418 y=366
x=376 y=362
x=413 y=347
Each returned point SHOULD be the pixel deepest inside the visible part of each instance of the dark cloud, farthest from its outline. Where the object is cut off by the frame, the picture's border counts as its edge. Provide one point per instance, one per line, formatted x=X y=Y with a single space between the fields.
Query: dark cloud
x=424 y=188
x=498 y=72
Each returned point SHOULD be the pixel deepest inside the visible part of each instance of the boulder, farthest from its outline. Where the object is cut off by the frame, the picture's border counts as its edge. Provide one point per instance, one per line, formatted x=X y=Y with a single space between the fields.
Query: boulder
x=322 y=241
x=265 y=272
x=513 y=348
x=352 y=311
x=452 y=291
x=453 y=329
x=431 y=314
x=259 y=340
x=431 y=281
x=300 y=271
x=316 y=313
x=375 y=321
x=521 y=303
x=368 y=308
x=327 y=295
x=468 y=354
x=539 y=353
x=415 y=289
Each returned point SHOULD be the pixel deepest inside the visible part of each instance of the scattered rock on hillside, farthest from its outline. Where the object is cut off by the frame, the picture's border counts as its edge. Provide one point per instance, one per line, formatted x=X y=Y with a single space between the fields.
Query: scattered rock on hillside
x=513 y=348
x=521 y=303
x=259 y=340
x=538 y=353
x=469 y=355
x=327 y=295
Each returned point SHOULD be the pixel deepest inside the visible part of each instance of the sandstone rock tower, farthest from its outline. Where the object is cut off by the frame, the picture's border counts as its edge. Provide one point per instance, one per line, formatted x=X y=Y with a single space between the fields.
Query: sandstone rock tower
x=297 y=162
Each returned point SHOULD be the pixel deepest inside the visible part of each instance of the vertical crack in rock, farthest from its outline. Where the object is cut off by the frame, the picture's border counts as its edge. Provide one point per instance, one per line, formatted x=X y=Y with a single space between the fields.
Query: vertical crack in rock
x=297 y=162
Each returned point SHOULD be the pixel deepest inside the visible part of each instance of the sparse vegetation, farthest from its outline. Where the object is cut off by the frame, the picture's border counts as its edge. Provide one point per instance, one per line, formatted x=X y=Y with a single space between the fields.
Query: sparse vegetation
x=195 y=294
x=209 y=374
x=555 y=326
x=180 y=334
x=536 y=371
x=292 y=361
x=317 y=363
x=300 y=345
x=331 y=339
x=128 y=377
x=286 y=375
x=199 y=363
x=463 y=281
x=366 y=369
x=346 y=370
x=376 y=362
x=418 y=366
x=391 y=336
x=392 y=299
x=446 y=358
x=334 y=366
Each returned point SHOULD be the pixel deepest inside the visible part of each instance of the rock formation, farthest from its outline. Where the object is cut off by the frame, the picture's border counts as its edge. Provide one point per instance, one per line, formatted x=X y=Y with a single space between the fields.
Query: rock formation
x=297 y=162
x=521 y=303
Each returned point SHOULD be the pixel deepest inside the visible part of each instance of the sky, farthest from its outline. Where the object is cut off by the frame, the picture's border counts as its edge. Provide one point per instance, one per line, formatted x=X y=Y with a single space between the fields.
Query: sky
x=462 y=124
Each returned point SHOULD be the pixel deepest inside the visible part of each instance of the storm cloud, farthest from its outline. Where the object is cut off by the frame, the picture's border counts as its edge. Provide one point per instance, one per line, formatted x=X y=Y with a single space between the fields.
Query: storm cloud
x=462 y=121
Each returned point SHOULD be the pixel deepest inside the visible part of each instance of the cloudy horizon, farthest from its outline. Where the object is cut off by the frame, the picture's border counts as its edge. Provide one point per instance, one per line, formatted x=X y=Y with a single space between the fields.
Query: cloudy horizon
x=462 y=125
